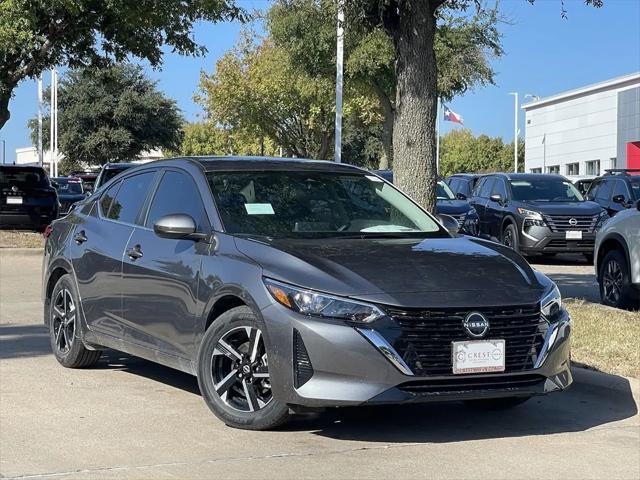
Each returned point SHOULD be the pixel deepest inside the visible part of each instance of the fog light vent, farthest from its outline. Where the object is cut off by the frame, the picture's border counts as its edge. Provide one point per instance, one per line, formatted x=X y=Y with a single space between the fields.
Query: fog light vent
x=302 y=368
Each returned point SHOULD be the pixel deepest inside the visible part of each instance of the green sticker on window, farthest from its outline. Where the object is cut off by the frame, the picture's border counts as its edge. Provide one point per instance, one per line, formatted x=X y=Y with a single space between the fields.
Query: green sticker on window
x=259 y=208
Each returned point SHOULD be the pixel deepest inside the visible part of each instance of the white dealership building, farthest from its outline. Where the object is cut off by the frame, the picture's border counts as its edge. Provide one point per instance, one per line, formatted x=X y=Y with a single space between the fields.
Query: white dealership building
x=585 y=131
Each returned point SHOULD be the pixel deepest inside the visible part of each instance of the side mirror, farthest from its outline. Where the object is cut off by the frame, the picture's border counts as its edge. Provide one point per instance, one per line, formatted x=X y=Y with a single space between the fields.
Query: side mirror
x=55 y=185
x=449 y=223
x=177 y=226
x=619 y=199
x=496 y=198
x=461 y=196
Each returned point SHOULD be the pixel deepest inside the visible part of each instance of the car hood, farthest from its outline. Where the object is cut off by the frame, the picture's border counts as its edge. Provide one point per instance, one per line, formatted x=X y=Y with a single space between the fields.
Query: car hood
x=563 y=208
x=461 y=271
x=452 y=207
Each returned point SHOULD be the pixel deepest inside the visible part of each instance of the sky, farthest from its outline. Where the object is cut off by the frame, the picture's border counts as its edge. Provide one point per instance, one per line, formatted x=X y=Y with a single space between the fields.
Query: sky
x=544 y=55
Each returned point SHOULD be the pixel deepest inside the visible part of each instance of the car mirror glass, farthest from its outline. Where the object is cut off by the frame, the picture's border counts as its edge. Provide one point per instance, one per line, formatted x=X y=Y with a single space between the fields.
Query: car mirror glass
x=449 y=223
x=619 y=199
x=461 y=196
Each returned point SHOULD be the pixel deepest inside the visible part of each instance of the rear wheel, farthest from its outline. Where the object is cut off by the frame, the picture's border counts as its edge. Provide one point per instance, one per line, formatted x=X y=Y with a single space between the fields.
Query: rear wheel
x=64 y=327
x=234 y=375
x=497 y=403
x=510 y=237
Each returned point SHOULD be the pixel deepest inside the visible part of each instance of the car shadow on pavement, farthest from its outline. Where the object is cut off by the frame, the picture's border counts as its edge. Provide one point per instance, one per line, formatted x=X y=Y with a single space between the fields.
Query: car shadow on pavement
x=594 y=400
x=19 y=341
x=577 y=285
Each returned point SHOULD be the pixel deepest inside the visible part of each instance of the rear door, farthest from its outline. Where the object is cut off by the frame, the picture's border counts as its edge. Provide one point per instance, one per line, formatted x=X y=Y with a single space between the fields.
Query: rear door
x=160 y=282
x=98 y=246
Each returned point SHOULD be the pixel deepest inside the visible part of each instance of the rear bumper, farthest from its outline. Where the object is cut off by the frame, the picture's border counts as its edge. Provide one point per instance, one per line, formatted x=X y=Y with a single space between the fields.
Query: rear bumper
x=29 y=216
x=349 y=370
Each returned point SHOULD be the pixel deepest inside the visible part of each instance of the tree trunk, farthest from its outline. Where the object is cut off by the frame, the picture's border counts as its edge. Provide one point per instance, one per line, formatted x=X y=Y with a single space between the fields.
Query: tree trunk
x=4 y=107
x=386 y=161
x=414 y=135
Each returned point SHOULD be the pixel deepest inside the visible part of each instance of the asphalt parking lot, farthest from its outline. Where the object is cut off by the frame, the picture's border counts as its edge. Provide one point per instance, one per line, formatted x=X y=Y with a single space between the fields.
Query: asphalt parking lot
x=128 y=418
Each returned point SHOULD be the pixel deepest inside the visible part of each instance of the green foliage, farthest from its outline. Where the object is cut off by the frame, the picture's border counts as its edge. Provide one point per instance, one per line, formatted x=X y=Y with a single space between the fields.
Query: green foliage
x=461 y=152
x=209 y=139
x=68 y=165
x=38 y=34
x=112 y=114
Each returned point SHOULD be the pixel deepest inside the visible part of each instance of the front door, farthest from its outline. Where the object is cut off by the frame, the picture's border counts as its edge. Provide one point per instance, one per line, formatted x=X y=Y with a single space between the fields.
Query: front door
x=161 y=276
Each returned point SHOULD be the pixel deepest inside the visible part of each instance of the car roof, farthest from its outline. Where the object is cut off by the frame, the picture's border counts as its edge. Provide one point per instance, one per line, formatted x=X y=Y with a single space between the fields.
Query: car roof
x=467 y=175
x=22 y=167
x=120 y=165
x=528 y=176
x=212 y=163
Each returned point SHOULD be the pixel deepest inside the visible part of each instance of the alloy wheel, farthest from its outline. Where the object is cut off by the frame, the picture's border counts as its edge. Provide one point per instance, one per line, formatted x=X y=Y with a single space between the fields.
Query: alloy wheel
x=612 y=281
x=508 y=238
x=64 y=321
x=240 y=370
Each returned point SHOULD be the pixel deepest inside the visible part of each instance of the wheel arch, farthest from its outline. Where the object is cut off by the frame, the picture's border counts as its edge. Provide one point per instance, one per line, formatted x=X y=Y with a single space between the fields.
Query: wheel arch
x=613 y=241
x=57 y=269
x=226 y=298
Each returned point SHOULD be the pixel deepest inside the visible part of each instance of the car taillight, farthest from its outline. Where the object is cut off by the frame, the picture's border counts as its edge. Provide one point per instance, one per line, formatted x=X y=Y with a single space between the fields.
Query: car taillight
x=47 y=231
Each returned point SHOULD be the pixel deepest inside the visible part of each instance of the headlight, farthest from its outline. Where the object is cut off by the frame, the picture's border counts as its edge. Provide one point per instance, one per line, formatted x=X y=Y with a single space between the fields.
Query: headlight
x=530 y=214
x=602 y=218
x=551 y=303
x=316 y=304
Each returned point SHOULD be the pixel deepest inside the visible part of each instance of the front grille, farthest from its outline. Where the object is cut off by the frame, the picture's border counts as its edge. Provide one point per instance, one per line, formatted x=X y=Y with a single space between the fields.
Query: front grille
x=561 y=243
x=562 y=223
x=425 y=336
x=302 y=368
x=459 y=385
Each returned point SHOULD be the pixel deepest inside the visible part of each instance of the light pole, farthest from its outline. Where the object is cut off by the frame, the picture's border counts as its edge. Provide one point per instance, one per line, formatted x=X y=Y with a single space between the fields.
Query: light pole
x=339 y=79
x=40 y=152
x=515 y=130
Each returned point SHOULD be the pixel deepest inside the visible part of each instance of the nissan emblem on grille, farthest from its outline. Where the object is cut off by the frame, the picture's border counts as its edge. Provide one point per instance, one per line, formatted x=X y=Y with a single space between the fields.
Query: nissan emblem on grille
x=573 y=222
x=476 y=325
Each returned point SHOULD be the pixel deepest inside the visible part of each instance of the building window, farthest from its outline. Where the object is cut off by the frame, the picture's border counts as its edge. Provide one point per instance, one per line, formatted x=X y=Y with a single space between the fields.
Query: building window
x=573 y=169
x=593 y=167
x=553 y=169
x=536 y=170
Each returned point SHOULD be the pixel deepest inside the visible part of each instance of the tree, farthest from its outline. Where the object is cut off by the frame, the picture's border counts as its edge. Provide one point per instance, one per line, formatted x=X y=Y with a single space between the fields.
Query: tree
x=38 y=34
x=209 y=139
x=412 y=26
x=463 y=48
x=112 y=114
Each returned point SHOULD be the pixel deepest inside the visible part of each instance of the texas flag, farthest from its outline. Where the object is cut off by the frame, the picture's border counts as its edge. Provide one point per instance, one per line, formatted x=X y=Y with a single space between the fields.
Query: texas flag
x=451 y=116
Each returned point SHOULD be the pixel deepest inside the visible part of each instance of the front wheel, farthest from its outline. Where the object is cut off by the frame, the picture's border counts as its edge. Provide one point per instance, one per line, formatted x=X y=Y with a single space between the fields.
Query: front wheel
x=510 y=237
x=234 y=375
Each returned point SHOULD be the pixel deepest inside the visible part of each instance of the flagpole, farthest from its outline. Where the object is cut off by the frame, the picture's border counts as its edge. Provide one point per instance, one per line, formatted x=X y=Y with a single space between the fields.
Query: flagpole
x=438 y=138
x=339 y=80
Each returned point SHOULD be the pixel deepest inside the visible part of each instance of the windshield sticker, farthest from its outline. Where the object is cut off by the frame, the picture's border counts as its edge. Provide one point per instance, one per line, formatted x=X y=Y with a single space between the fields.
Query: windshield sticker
x=374 y=179
x=259 y=209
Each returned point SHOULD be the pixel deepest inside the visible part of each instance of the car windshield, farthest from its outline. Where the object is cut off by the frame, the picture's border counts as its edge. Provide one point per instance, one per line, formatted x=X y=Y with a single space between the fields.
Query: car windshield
x=22 y=177
x=316 y=204
x=545 y=190
x=444 y=192
x=635 y=187
x=68 y=187
x=109 y=173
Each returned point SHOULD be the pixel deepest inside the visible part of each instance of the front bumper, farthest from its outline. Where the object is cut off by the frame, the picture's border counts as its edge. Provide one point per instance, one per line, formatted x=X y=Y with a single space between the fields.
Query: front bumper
x=543 y=240
x=349 y=370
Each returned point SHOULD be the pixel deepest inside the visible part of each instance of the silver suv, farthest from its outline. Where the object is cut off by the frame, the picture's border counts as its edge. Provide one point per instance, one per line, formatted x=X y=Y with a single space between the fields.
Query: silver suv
x=618 y=260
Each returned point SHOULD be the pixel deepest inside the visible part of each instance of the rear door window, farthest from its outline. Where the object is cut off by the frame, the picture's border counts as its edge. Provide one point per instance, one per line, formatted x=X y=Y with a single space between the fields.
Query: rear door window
x=130 y=198
x=107 y=198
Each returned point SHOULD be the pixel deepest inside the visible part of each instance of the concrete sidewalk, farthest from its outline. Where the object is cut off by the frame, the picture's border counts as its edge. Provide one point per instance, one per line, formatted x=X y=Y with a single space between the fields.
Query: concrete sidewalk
x=128 y=418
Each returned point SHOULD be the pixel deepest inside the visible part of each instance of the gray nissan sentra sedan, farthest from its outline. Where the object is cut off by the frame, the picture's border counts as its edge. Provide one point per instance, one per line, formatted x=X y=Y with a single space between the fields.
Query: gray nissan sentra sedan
x=289 y=285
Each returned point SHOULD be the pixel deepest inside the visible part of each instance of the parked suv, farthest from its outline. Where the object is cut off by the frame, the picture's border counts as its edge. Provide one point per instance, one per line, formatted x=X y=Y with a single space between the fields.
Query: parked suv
x=27 y=199
x=110 y=170
x=70 y=191
x=618 y=259
x=448 y=204
x=462 y=184
x=537 y=213
x=617 y=190
x=292 y=284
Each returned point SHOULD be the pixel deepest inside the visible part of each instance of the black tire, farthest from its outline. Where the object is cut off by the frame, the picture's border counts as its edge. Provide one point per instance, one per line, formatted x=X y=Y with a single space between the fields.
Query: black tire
x=65 y=329
x=615 y=281
x=588 y=257
x=496 y=403
x=510 y=237
x=235 y=400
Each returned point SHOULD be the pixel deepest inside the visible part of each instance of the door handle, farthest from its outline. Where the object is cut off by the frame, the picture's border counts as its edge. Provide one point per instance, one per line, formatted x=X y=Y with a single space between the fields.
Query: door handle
x=80 y=237
x=135 y=252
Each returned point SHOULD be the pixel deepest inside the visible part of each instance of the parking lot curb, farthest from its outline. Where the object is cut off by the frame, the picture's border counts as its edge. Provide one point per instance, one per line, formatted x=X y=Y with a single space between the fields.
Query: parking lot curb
x=17 y=252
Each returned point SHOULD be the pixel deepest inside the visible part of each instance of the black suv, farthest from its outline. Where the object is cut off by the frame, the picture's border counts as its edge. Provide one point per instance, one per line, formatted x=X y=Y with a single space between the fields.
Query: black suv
x=537 y=213
x=27 y=199
x=617 y=190
x=70 y=191
x=110 y=170
x=462 y=184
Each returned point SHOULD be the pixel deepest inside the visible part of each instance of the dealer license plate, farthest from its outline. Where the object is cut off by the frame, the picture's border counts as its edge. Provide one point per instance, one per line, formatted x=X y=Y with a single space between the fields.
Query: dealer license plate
x=478 y=356
x=573 y=235
x=14 y=200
